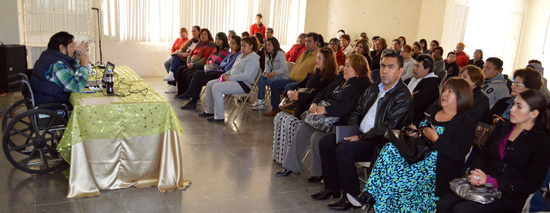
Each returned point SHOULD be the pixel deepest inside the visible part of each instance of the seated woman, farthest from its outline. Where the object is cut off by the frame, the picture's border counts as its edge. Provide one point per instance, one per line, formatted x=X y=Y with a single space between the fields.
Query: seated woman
x=237 y=80
x=178 y=43
x=338 y=99
x=395 y=184
x=515 y=159
x=379 y=45
x=179 y=58
x=196 y=59
x=475 y=78
x=198 y=77
x=297 y=48
x=524 y=79
x=275 y=68
x=346 y=46
x=334 y=45
x=362 y=47
x=478 y=59
x=285 y=123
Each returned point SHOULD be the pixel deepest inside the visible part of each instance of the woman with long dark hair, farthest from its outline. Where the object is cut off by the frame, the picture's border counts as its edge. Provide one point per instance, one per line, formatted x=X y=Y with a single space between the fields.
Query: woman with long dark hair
x=258 y=27
x=275 y=68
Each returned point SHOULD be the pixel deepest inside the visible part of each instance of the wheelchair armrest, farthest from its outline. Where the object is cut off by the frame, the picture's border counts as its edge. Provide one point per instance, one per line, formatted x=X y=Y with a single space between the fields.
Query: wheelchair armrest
x=53 y=104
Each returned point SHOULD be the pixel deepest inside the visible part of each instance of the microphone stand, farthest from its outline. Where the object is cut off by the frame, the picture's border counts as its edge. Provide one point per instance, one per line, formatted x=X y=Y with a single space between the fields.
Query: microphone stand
x=100 y=65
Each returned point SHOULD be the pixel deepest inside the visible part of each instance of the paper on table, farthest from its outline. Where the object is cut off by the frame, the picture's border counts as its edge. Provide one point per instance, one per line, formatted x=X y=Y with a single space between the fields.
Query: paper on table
x=98 y=100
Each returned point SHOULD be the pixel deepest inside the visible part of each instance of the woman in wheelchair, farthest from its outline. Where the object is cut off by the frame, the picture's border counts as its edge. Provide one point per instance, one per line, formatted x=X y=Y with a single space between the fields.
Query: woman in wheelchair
x=515 y=159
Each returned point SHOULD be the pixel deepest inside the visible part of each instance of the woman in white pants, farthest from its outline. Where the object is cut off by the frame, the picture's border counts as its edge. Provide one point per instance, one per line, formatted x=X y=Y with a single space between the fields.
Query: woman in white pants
x=239 y=79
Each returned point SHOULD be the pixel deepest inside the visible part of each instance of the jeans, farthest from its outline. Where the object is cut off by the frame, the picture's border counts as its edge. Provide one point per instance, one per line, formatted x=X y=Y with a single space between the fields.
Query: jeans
x=167 y=64
x=265 y=82
x=176 y=63
x=276 y=87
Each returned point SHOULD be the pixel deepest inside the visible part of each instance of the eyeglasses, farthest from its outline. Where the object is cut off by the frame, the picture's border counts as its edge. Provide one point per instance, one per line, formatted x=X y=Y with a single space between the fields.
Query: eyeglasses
x=518 y=84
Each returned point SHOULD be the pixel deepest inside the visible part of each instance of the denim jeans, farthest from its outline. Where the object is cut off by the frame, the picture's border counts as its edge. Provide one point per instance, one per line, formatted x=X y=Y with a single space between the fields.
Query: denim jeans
x=264 y=82
x=276 y=87
x=176 y=62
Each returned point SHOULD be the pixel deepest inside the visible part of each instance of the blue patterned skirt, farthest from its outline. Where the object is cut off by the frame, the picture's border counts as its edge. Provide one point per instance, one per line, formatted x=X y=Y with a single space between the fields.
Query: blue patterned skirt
x=398 y=186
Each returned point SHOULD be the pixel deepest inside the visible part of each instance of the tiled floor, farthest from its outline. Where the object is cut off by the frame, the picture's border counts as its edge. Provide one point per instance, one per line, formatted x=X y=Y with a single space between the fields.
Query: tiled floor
x=230 y=167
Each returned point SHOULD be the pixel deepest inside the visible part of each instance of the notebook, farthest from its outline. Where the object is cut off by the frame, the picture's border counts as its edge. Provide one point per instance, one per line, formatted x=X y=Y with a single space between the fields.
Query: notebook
x=345 y=131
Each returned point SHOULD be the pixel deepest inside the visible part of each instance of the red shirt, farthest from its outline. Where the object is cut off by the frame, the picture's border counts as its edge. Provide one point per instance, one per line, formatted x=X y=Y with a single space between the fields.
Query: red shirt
x=294 y=52
x=255 y=29
x=462 y=59
x=178 y=44
x=340 y=58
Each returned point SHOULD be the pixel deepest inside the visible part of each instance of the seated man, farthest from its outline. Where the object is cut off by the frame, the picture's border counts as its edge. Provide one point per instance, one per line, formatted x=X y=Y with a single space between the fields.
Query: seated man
x=304 y=65
x=383 y=106
x=60 y=70
x=424 y=85
x=495 y=85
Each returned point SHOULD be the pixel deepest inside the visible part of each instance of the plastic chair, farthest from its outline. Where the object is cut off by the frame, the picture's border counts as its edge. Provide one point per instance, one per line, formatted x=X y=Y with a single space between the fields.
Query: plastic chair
x=246 y=97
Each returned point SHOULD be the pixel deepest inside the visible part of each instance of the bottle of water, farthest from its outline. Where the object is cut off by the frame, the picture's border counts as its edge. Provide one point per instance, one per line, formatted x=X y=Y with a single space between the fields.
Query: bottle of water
x=110 y=81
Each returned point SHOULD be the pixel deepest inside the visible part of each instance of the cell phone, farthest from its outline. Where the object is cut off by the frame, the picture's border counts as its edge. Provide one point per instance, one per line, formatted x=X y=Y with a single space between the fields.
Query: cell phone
x=428 y=121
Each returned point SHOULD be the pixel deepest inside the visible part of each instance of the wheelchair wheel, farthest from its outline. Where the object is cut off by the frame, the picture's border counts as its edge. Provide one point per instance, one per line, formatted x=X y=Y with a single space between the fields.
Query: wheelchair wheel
x=32 y=147
x=15 y=109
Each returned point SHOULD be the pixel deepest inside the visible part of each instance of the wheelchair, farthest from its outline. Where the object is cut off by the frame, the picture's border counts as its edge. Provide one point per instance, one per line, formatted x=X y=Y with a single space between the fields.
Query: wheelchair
x=31 y=132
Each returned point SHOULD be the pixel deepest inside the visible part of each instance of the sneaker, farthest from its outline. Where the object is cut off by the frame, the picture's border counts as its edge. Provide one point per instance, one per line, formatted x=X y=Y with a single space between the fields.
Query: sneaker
x=172 y=89
x=169 y=77
x=258 y=107
x=258 y=102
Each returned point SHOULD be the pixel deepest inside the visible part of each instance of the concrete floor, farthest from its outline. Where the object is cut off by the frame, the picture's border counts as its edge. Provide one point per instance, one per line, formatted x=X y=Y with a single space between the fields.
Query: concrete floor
x=230 y=166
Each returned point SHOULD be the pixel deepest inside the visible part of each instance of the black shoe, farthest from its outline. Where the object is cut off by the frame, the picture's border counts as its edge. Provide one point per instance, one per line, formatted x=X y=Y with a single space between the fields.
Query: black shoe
x=189 y=106
x=325 y=194
x=364 y=200
x=182 y=97
x=283 y=173
x=205 y=114
x=212 y=119
x=314 y=179
x=342 y=205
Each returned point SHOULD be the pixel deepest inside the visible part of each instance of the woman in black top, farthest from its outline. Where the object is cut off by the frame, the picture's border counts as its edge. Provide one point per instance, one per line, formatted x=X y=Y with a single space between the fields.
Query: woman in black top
x=337 y=100
x=379 y=45
x=515 y=159
x=478 y=59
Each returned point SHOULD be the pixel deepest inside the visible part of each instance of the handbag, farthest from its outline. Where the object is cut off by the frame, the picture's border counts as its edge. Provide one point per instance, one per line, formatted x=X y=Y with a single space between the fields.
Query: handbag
x=483 y=194
x=290 y=106
x=484 y=130
x=412 y=149
x=321 y=123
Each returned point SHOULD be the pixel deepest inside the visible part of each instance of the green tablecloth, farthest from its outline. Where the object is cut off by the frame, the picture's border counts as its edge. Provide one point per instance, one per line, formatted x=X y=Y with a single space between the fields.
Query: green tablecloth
x=135 y=115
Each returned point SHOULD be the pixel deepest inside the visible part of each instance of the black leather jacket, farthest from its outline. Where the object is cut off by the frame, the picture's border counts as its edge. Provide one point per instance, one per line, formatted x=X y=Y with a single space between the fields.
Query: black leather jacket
x=395 y=110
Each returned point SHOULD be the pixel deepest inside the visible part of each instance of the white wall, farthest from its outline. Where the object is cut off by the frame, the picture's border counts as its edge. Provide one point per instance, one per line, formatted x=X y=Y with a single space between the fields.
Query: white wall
x=535 y=28
x=146 y=59
x=431 y=21
x=9 y=22
x=388 y=19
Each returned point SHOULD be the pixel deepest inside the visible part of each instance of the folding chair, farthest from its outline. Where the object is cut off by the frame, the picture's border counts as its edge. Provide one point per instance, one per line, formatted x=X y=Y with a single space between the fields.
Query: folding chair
x=246 y=96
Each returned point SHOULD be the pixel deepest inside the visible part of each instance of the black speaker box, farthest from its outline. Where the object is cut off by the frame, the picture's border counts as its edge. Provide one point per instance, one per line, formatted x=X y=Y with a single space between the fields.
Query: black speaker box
x=13 y=60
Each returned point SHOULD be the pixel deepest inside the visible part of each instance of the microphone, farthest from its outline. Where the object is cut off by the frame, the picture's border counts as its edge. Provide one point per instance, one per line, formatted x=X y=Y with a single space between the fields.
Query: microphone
x=95 y=8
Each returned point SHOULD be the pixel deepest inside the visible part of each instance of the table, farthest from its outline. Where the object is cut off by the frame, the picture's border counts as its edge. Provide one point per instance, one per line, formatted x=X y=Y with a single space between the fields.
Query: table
x=134 y=142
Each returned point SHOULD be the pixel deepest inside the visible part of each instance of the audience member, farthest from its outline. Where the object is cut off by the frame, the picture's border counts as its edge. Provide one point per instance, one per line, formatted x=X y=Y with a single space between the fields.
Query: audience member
x=524 y=79
x=258 y=27
x=475 y=78
x=515 y=159
x=385 y=105
x=231 y=33
x=346 y=47
x=199 y=77
x=179 y=58
x=269 y=33
x=461 y=57
x=375 y=74
x=362 y=48
x=180 y=41
x=296 y=49
x=379 y=45
x=305 y=64
x=334 y=101
x=416 y=50
x=260 y=40
x=340 y=34
x=374 y=41
x=537 y=65
x=478 y=59
x=60 y=70
x=433 y=45
x=439 y=64
x=363 y=36
x=451 y=66
x=245 y=34
x=396 y=46
x=403 y=40
x=495 y=84
x=449 y=134
x=424 y=46
x=424 y=85
x=239 y=79
x=334 y=45
x=321 y=42
x=196 y=59
x=275 y=69
x=409 y=62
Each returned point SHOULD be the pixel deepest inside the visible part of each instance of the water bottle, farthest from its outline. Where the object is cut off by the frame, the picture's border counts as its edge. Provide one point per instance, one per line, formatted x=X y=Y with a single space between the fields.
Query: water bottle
x=109 y=83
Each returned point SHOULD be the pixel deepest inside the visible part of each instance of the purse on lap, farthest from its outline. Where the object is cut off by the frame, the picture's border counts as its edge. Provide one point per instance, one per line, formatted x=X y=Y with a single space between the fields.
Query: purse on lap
x=321 y=123
x=483 y=194
x=412 y=149
x=289 y=106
